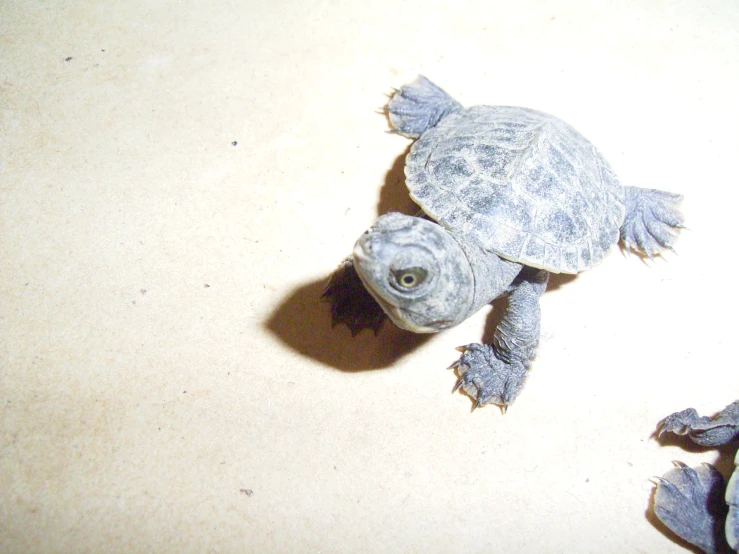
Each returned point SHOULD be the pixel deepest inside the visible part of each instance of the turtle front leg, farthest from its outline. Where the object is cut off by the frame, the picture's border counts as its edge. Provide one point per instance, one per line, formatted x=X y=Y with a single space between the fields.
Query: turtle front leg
x=495 y=374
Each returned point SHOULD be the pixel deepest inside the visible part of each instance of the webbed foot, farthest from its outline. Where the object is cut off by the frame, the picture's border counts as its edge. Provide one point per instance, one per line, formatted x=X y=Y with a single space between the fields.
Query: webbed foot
x=418 y=106
x=690 y=503
x=652 y=220
x=487 y=378
x=350 y=302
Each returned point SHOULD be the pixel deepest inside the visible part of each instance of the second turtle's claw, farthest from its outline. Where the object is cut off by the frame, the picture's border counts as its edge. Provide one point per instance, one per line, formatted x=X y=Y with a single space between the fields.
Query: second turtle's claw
x=459 y=384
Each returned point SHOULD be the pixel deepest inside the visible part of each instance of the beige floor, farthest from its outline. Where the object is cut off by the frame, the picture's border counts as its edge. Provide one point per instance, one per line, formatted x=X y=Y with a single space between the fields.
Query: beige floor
x=177 y=181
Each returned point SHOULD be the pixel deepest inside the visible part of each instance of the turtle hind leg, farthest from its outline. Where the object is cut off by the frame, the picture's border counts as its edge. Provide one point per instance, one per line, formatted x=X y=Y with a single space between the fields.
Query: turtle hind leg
x=652 y=220
x=418 y=106
x=689 y=501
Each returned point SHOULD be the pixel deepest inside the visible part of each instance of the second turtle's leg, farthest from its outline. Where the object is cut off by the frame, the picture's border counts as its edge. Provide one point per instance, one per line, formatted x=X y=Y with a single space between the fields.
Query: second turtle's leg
x=732 y=499
x=722 y=428
x=495 y=374
x=691 y=501
x=681 y=503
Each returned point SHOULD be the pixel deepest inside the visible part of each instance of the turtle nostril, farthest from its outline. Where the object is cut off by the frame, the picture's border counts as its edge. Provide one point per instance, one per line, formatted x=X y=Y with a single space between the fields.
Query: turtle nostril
x=363 y=248
x=366 y=241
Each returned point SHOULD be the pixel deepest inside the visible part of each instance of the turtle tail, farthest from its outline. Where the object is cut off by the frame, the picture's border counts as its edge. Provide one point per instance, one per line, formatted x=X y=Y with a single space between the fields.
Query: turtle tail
x=419 y=106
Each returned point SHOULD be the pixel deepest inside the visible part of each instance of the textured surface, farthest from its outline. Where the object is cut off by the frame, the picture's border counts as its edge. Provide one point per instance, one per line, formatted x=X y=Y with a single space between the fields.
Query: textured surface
x=732 y=499
x=695 y=502
x=523 y=183
x=690 y=501
x=723 y=428
x=136 y=403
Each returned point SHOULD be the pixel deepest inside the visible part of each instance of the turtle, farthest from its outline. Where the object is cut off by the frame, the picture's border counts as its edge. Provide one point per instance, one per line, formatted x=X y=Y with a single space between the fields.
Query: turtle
x=695 y=503
x=507 y=196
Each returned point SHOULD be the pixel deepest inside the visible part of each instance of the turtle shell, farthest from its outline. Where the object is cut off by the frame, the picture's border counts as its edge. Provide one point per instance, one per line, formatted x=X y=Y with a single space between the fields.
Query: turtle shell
x=522 y=183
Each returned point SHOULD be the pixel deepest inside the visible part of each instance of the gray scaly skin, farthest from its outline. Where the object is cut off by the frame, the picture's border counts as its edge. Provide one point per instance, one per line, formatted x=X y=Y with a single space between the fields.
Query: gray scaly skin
x=509 y=195
x=693 y=502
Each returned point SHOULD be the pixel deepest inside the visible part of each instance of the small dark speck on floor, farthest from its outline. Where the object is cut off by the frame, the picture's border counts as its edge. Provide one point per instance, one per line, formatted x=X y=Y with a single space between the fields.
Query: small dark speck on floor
x=69 y=59
x=206 y=285
x=234 y=143
x=247 y=492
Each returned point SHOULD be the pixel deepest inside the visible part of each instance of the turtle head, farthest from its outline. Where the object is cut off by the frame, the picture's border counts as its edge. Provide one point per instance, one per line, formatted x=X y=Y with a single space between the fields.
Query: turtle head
x=416 y=271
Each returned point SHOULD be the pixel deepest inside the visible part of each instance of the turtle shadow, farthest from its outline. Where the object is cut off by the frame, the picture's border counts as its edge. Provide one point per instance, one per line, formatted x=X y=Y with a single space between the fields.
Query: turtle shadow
x=394 y=195
x=302 y=322
x=559 y=280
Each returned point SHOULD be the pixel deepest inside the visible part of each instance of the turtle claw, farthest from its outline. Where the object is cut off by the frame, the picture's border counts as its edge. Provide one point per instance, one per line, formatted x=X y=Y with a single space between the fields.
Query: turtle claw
x=477 y=402
x=486 y=378
x=720 y=429
x=652 y=220
x=418 y=106
x=689 y=501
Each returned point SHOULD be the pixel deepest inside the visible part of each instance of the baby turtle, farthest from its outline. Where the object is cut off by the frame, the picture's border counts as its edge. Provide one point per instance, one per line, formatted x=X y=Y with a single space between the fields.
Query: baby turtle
x=508 y=195
x=696 y=503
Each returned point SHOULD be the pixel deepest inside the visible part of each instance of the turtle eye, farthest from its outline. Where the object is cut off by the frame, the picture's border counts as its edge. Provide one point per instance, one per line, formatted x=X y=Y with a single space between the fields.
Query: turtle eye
x=409 y=278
